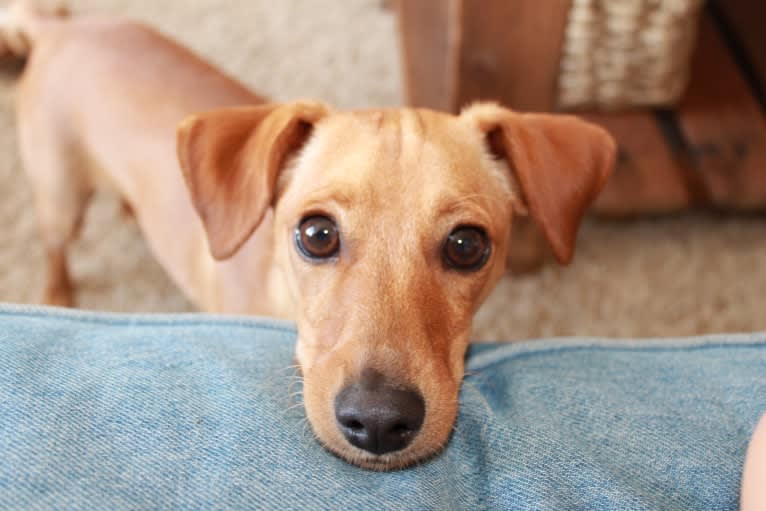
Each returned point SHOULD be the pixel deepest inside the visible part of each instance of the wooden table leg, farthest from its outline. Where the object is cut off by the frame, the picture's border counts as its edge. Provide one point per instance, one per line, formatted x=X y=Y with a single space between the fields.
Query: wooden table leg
x=459 y=51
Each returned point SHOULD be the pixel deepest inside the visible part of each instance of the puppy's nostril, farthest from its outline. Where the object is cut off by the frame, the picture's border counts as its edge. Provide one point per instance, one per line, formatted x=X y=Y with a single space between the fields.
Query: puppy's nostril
x=355 y=425
x=401 y=429
x=379 y=419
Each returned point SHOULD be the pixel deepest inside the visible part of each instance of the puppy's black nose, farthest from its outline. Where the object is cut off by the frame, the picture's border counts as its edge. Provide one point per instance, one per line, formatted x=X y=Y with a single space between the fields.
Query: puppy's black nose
x=377 y=417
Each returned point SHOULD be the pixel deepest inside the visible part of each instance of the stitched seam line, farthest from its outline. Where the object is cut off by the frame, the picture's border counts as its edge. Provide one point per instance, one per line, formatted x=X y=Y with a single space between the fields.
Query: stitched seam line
x=141 y=319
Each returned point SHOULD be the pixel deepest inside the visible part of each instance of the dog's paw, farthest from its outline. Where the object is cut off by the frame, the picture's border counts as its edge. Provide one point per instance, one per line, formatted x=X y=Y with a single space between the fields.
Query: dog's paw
x=59 y=296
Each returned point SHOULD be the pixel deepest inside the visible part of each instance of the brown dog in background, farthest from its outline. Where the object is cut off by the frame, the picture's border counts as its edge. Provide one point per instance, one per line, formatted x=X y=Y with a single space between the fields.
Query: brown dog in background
x=379 y=232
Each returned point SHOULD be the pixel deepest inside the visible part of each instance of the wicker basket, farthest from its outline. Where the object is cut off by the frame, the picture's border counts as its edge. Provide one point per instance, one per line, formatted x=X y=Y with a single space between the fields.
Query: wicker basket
x=626 y=53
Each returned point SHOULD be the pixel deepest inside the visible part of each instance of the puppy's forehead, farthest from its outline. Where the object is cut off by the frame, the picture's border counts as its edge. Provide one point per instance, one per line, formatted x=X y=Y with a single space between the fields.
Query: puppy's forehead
x=396 y=153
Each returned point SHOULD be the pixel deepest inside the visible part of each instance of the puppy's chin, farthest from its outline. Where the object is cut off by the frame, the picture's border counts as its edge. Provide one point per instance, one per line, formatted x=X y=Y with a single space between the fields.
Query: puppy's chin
x=399 y=460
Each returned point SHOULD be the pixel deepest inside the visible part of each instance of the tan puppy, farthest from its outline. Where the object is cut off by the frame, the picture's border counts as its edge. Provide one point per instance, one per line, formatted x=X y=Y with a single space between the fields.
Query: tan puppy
x=379 y=232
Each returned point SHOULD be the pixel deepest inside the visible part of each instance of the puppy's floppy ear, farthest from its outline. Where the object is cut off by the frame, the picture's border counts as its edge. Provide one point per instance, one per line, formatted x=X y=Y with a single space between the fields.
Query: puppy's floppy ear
x=231 y=160
x=561 y=164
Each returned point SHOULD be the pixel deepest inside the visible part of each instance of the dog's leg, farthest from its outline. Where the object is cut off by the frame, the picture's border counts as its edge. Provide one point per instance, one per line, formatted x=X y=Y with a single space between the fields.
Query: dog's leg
x=61 y=212
x=59 y=290
x=62 y=189
x=528 y=248
x=62 y=198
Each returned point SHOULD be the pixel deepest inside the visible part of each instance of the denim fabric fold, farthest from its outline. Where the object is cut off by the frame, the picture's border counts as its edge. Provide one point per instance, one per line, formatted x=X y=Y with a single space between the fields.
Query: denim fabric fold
x=117 y=411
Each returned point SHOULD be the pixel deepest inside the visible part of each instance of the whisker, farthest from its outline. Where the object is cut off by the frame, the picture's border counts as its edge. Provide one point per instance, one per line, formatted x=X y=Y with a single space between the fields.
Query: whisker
x=307 y=426
x=292 y=407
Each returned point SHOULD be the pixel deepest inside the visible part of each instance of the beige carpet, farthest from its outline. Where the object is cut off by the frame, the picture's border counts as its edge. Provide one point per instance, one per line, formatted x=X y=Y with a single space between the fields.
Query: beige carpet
x=669 y=277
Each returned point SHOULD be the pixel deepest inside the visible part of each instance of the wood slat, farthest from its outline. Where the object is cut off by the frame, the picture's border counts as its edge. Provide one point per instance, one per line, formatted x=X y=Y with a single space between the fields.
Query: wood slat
x=649 y=177
x=459 y=51
x=510 y=52
x=724 y=126
x=429 y=52
x=745 y=19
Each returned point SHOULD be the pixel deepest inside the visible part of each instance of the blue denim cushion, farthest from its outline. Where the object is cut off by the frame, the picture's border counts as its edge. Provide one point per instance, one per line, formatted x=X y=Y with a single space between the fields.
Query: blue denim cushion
x=196 y=412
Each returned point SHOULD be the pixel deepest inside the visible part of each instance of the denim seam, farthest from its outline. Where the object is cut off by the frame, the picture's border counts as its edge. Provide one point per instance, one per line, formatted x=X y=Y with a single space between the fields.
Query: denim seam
x=517 y=350
x=702 y=345
x=116 y=319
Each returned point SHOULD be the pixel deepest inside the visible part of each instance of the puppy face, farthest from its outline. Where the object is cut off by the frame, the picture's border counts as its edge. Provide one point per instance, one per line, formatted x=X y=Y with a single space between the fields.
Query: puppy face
x=414 y=216
x=389 y=229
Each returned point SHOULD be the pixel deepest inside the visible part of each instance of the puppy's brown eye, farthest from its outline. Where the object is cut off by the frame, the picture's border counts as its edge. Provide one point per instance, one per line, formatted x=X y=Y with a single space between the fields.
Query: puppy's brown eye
x=317 y=237
x=466 y=248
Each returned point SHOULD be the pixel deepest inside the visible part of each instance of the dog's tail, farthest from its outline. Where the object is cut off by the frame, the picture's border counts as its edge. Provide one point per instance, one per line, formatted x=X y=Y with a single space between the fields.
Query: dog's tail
x=20 y=24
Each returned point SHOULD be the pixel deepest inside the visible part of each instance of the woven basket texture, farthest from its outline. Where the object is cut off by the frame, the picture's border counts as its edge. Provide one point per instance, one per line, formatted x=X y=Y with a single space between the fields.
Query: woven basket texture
x=627 y=53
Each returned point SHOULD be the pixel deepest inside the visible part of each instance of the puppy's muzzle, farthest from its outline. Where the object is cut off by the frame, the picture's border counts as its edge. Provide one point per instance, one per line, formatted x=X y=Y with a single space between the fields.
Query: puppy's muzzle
x=376 y=416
